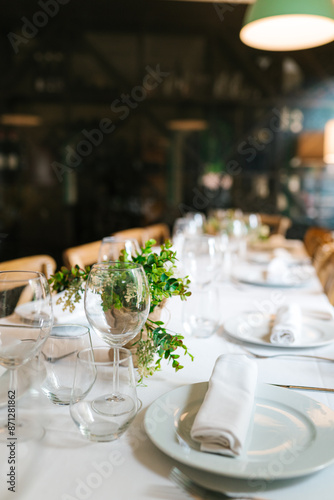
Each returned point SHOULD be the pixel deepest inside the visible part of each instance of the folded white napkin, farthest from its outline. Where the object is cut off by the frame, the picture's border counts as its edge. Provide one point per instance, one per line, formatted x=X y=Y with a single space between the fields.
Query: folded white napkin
x=287 y=325
x=223 y=419
x=277 y=271
x=282 y=254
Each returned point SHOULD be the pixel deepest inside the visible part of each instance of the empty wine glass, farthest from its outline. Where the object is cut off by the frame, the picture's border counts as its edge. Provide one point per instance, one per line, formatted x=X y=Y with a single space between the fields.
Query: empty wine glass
x=112 y=248
x=25 y=322
x=117 y=302
x=201 y=257
x=183 y=227
x=199 y=220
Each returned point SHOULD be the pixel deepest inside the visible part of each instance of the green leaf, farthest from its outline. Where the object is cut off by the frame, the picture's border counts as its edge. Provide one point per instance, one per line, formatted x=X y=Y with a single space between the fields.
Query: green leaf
x=163 y=283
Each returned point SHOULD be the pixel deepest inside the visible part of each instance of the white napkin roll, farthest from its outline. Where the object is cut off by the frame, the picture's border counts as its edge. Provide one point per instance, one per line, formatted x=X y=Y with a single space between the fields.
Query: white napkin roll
x=223 y=419
x=287 y=325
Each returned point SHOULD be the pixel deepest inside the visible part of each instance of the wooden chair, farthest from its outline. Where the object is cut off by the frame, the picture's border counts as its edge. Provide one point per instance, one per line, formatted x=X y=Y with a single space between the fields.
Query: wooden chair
x=322 y=261
x=158 y=232
x=329 y=284
x=41 y=263
x=328 y=278
x=83 y=255
x=136 y=233
x=88 y=253
x=315 y=237
x=278 y=224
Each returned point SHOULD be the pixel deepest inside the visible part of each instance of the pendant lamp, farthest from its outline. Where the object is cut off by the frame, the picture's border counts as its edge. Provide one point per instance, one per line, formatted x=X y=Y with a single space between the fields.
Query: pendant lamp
x=288 y=24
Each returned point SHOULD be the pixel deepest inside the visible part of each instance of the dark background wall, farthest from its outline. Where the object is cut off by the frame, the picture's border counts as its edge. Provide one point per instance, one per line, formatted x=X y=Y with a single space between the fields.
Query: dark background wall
x=78 y=66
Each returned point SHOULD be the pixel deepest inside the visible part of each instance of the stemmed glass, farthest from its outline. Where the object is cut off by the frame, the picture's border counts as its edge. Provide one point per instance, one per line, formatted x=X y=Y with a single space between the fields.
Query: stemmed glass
x=200 y=257
x=26 y=320
x=117 y=302
x=111 y=248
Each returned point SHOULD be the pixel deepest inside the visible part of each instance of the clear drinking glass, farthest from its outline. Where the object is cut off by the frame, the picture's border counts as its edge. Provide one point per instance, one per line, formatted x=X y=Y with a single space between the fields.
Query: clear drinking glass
x=117 y=303
x=95 y=377
x=112 y=248
x=26 y=320
x=200 y=314
x=201 y=257
x=199 y=220
x=183 y=227
x=57 y=360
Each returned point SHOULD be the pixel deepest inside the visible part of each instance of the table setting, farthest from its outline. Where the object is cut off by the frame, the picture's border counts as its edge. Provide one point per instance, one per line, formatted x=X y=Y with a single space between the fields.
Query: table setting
x=219 y=418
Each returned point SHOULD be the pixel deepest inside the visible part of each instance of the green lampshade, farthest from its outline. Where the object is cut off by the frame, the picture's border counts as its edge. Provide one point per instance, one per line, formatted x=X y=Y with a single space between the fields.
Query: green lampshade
x=288 y=24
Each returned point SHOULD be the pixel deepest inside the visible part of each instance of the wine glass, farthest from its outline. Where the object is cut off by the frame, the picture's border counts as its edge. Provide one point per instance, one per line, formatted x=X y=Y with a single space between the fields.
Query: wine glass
x=26 y=320
x=201 y=257
x=183 y=227
x=112 y=248
x=199 y=220
x=117 y=303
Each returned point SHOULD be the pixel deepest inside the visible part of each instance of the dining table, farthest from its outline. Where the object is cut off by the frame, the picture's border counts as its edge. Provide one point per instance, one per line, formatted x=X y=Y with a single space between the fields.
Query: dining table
x=64 y=465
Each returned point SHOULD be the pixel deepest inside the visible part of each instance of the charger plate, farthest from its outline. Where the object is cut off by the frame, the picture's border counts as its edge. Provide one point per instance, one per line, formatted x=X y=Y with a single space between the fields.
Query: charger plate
x=290 y=434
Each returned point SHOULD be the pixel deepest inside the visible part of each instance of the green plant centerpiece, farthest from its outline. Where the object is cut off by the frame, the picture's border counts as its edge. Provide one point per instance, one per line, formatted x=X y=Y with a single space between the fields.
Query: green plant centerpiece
x=154 y=342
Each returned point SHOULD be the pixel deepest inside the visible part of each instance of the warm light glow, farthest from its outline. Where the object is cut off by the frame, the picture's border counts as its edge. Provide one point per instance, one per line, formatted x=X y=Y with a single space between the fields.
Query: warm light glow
x=329 y=142
x=190 y=125
x=20 y=120
x=288 y=32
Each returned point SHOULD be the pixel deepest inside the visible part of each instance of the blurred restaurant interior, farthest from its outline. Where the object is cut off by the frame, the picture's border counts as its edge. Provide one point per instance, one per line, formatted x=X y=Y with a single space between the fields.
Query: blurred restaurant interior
x=124 y=114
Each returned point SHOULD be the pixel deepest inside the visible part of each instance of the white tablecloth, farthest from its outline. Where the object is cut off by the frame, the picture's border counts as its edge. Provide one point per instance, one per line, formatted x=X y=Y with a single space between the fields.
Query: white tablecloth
x=66 y=466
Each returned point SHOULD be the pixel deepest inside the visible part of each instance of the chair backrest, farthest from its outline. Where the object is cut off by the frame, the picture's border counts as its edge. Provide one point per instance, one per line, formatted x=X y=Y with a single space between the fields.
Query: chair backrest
x=329 y=282
x=135 y=233
x=322 y=259
x=43 y=263
x=87 y=254
x=158 y=232
x=82 y=255
x=279 y=224
x=315 y=237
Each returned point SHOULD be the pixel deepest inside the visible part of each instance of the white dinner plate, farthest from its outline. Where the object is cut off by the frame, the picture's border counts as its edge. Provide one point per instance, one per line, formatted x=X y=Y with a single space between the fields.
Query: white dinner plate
x=26 y=311
x=295 y=278
x=60 y=316
x=291 y=435
x=264 y=258
x=277 y=241
x=255 y=327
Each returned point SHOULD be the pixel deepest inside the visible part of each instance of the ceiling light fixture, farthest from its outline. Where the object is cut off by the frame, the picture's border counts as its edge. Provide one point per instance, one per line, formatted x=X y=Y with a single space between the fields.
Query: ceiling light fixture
x=288 y=24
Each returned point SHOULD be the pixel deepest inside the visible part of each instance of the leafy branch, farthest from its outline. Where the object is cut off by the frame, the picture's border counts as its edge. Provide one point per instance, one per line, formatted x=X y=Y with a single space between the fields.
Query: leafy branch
x=160 y=343
x=72 y=281
x=160 y=269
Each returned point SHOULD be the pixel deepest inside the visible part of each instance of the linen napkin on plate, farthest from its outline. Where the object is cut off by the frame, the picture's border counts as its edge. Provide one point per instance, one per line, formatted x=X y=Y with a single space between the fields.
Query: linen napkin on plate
x=277 y=271
x=223 y=419
x=282 y=254
x=287 y=326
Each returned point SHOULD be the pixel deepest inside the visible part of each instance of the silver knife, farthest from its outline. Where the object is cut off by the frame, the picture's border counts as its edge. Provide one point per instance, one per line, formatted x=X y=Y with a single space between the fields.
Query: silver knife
x=304 y=387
